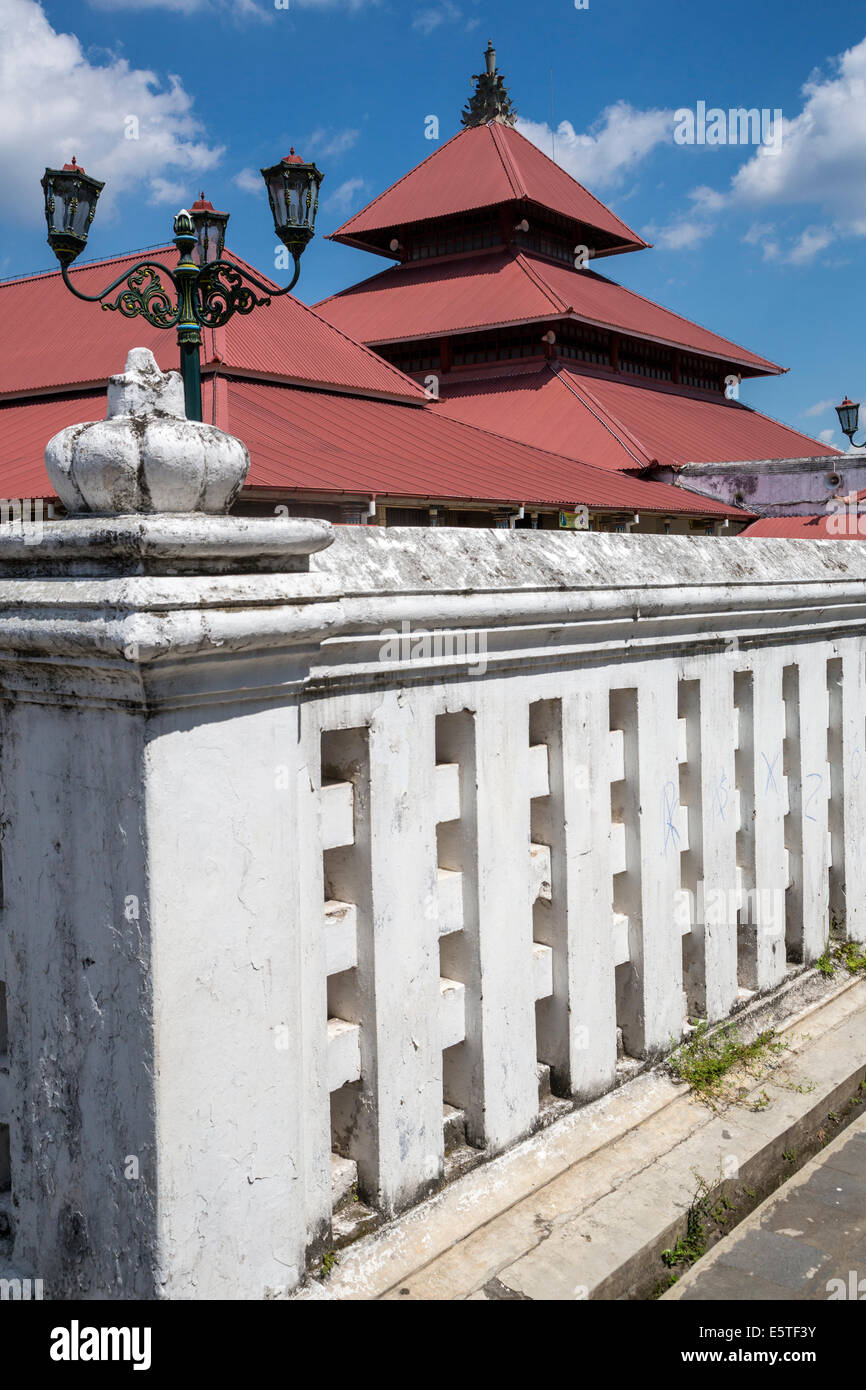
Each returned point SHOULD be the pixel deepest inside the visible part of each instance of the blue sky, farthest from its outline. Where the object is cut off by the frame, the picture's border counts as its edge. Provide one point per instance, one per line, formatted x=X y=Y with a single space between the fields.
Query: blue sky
x=765 y=247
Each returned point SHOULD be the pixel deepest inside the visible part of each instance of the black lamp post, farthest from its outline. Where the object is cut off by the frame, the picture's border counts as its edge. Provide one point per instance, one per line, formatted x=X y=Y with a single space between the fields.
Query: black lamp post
x=208 y=289
x=849 y=416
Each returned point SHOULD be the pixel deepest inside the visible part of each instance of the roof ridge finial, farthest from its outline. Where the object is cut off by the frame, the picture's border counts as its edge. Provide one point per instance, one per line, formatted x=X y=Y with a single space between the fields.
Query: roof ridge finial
x=490 y=101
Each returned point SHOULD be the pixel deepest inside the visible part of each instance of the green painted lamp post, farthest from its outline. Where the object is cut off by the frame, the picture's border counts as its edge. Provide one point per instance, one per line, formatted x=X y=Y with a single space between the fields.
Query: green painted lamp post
x=849 y=418
x=207 y=289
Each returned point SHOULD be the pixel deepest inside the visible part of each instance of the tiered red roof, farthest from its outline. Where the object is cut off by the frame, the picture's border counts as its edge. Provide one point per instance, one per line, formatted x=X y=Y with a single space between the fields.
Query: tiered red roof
x=619 y=424
x=484 y=166
x=414 y=302
x=319 y=413
x=611 y=377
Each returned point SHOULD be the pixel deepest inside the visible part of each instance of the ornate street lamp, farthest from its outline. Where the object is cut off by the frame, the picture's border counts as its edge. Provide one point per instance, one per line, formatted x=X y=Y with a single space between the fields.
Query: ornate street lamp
x=70 y=202
x=293 y=190
x=208 y=289
x=210 y=231
x=849 y=415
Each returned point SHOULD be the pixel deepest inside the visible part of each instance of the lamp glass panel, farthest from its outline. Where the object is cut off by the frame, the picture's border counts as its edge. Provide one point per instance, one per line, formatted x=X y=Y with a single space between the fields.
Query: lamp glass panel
x=79 y=212
x=296 y=187
x=210 y=233
x=278 y=195
x=849 y=416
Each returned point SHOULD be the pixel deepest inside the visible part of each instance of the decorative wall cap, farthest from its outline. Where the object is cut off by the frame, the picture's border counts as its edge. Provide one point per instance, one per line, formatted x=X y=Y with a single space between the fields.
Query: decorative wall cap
x=814 y=463
x=95 y=547
x=145 y=456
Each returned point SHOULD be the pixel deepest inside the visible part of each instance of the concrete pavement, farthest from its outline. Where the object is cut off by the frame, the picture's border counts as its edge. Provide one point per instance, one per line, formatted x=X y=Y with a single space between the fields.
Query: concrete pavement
x=806 y=1241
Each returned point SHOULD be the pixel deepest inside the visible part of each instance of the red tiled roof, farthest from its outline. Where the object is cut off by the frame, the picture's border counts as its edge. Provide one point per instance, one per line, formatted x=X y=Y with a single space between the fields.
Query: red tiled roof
x=482 y=291
x=537 y=408
x=25 y=429
x=316 y=441
x=619 y=424
x=676 y=428
x=51 y=339
x=342 y=444
x=806 y=528
x=481 y=167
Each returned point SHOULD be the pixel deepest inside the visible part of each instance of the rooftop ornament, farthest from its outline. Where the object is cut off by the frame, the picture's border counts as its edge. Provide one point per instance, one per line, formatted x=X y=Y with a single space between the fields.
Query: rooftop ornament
x=849 y=418
x=205 y=290
x=490 y=101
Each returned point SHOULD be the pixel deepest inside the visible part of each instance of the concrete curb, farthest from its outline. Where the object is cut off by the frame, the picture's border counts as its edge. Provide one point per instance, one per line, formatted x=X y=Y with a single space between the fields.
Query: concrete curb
x=585 y=1208
x=780 y=1201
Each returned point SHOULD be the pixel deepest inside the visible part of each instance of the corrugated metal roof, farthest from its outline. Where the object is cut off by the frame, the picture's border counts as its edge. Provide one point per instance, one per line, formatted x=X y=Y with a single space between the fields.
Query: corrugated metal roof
x=618 y=424
x=479 y=291
x=537 y=409
x=481 y=167
x=25 y=429
x=347 y=444
x=676 y=428
x=315 y=441
x=51 y=339
x=805 y=528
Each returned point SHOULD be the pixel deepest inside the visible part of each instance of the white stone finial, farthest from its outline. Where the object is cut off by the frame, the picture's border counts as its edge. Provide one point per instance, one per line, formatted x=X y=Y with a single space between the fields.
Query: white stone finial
x=146 y=456
x=142 y=389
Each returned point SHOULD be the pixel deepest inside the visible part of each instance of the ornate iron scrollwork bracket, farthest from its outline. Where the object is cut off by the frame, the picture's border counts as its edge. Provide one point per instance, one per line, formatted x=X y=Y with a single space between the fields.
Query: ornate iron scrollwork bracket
x=222 y=291
x=146 y=295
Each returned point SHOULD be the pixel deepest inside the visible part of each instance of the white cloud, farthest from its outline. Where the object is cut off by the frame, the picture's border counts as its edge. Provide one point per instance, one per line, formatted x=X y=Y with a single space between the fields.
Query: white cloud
x=807 y=245
x=682 y=235
x=618 y=141
x=823 y=155
x=54 y=103
x=168 y=191
x=433 y=16
x=819 y=408
x=821 y=162
x=249 y=181
x=764 y=235
x=346 y=195
x=797 y=250
x=329 y=144
x=826 y=436
x=759 y=233
x=239 y=9
x=253 y=9
x=707 y=199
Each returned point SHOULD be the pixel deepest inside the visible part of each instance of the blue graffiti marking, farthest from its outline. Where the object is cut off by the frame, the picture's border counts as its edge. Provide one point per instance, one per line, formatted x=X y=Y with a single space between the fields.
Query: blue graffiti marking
x=670 y=801
x=720 y=797
x=812 y=777
x=771 y=772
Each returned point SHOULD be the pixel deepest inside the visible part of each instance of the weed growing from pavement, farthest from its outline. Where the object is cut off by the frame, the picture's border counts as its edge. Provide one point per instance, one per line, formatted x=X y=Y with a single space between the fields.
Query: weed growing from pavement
x=711 y=1215
x=690 y=1246
x=706 y=1060
x=849 y=954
